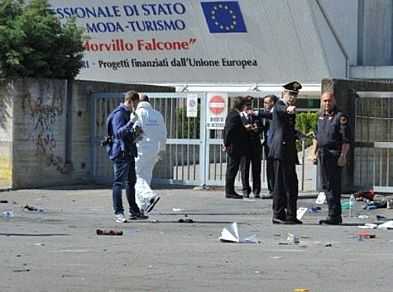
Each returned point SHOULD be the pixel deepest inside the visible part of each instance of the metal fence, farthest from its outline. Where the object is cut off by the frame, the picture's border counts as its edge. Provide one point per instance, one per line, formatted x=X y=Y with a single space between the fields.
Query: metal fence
x=374 y=140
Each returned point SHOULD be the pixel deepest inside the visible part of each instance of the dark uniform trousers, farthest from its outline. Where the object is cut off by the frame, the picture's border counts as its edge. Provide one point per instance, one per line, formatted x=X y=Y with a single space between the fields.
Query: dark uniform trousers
x=331 y=180
x=233 y=164
x=253 y=157
x=332 y=132
x=285 y=191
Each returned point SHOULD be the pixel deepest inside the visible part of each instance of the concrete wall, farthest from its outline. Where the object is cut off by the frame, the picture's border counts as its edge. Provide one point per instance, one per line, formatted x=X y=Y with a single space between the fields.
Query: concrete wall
x=6 y=116
x=45 y=132
x=38 y=131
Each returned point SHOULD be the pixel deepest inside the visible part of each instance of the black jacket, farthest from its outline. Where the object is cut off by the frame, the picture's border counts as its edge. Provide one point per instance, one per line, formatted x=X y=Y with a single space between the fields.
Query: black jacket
x=235 y=135
x=283 y=134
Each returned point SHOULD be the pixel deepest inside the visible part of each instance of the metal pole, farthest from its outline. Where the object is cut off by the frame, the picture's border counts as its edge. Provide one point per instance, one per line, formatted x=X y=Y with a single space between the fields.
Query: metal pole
x=303 y=162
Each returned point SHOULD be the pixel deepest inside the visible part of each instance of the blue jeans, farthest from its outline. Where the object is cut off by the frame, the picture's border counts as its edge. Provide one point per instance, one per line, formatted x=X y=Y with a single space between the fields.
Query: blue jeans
x=124 y=173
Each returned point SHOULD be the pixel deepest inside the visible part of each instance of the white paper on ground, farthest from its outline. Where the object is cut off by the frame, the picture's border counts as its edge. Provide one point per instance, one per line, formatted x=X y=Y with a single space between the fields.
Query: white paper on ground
x=300 y=212
x=250 y=239
x=231 y=234
x=386 y=226
x=321 y=199
x=368 y=226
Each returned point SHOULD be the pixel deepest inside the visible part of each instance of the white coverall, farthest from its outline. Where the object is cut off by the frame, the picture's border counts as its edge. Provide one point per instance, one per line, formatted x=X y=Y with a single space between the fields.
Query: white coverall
x=153 y=141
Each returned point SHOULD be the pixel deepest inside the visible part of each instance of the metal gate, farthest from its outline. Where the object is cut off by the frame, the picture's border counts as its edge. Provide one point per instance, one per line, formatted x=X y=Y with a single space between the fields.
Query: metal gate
x=181 y=162
x=194 y=154
x=374 y=139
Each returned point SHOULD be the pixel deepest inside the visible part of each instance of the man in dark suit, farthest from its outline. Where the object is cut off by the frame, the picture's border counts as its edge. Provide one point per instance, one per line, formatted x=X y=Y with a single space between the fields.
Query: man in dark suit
x=284 y=154
x=268 y=101
x=253 y=155
x=235 y=137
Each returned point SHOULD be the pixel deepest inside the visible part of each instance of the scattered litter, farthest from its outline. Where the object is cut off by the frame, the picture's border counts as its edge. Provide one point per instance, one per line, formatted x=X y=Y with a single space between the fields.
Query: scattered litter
x=388 y=225
x=300 y=212
x=321 y=199
x=21 y=270
x=305 y=237
x=231 y=234
x=314 y=210
x=39 y=244
x=301 y=290
x=328 y=245
x=32 y=209
x=371 y=205
x=369 y=195
x=177 y=209
x=368 y=226
x=257 y=272
x=185 y=220
x=362 y=216
x=293 y=238
x=276 y=257
x=108 y=232
x=346 y=205
x=380 y=217
x=8 y=214
x=365 y=235
x=3 y=202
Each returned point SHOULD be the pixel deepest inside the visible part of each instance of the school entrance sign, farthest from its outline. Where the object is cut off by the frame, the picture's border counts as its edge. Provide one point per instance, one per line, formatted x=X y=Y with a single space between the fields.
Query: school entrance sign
x=184 y=41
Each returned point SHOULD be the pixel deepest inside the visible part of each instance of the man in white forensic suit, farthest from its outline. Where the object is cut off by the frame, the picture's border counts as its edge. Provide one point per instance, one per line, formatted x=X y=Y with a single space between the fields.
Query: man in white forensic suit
x=150 y=145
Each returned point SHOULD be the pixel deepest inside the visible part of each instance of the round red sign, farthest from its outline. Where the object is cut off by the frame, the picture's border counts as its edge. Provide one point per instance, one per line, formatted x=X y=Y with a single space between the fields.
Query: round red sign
x=217 y=104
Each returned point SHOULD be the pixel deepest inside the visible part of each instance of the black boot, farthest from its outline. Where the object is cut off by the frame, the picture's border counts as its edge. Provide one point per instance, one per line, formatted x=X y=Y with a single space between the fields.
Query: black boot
x=331 y=221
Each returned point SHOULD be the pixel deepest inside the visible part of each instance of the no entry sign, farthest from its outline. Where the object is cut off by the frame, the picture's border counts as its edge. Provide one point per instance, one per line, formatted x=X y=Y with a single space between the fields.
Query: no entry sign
x=217 y=104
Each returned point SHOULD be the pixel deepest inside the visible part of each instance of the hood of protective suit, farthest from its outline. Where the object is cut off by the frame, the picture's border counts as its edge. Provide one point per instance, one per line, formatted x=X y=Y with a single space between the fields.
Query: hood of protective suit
x=152 y=123
x=145 y=105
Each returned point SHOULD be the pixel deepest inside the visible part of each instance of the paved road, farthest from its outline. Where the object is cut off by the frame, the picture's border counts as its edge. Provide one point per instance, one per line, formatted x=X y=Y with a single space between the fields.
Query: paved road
x=58 y=250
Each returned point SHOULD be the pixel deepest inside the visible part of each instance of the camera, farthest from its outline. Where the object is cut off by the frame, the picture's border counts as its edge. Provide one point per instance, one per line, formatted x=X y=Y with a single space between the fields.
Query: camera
x=107 y=141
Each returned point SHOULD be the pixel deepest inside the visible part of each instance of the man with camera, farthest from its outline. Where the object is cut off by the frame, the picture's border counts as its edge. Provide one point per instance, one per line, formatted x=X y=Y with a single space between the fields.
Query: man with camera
x=123 y=132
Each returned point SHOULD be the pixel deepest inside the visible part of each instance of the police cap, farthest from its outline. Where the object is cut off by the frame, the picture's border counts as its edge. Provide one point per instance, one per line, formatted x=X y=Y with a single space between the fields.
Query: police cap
x=293 y=86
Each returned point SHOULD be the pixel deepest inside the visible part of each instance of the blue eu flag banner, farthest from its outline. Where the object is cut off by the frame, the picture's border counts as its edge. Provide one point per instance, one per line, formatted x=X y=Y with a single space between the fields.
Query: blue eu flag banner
x=223 y=16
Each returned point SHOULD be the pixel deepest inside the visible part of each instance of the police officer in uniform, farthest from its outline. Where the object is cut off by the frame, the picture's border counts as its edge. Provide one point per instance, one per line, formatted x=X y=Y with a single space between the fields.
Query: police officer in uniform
x=284 y=155
x=235 y=137
x=331 y=148
x=253 y=155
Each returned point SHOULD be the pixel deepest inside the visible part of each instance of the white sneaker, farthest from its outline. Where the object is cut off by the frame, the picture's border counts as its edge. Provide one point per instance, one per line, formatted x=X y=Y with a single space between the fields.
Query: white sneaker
x=119 y=218
x=151 y=203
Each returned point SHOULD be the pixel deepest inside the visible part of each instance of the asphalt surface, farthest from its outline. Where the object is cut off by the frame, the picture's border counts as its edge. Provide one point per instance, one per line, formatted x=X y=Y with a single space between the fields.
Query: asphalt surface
x=57 y=249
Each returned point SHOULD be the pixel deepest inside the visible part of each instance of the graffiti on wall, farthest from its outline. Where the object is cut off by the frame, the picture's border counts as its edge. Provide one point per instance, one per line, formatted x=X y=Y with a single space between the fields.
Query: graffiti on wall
x=43 y=106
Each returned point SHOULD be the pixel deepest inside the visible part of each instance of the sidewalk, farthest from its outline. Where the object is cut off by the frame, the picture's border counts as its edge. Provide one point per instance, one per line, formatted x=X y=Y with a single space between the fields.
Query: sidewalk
x=58 y=250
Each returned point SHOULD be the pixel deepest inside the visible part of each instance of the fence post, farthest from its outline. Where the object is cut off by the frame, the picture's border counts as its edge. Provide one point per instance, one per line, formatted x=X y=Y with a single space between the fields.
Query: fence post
x=203 y=151
x=303 y=162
